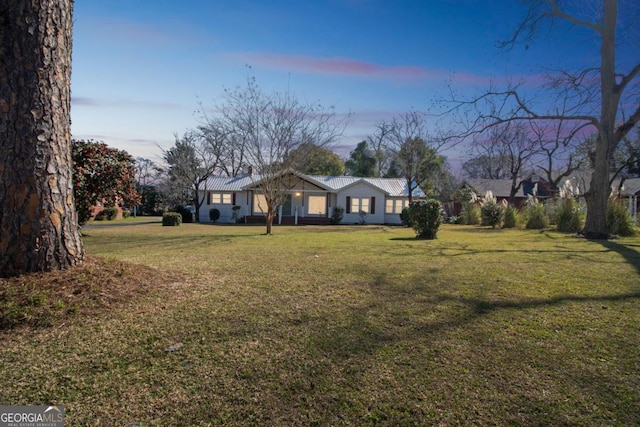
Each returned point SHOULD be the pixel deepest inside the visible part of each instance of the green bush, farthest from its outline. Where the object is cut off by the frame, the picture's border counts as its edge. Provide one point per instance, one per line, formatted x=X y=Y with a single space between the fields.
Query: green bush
x=107 y=213
x=491 y=210
x=126 y=213
x=510 y=219
x=405 y=217
x=568 y=216
x=111 y=213
x=337 y=214
x=470 y=215
x=619 y=222
x=214 y=214
x=171 y=219
x=425 y=218
x=536 y=215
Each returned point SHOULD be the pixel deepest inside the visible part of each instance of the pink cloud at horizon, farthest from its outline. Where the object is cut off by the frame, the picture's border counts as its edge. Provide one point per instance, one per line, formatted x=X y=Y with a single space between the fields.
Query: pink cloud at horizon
x=401 y=73
x=341 y=66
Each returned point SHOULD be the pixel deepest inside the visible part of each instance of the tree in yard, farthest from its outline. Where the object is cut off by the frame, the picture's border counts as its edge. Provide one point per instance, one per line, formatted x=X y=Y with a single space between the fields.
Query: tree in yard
x=417 y=160
x=191 y=161
x=102 y=174
x=38 y=224
x=147 y=176
x=271 y=127
x=485 y=166
x=362 y=161
x=602 y=96
x=313 y=160
x=383 y=156
x=511 y=142
x=557 y=143
x=419 y=164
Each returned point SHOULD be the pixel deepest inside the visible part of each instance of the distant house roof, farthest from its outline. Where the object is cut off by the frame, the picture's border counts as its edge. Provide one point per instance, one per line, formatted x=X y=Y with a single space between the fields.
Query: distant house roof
x=631 y=186
x=393 y=187
x=499 y=187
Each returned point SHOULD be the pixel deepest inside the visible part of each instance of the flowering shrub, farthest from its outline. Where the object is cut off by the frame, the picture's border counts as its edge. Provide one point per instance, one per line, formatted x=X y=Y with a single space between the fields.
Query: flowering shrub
x=618 y=220
x=535 y=214
x=470 y=214
x=101 y=174
x=492 y=211
x=568 y=215
x=425 y=218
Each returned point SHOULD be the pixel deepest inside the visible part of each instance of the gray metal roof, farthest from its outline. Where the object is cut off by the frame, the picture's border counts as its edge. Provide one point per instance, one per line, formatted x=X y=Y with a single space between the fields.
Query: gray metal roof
x=395 y=187
x=499 y=187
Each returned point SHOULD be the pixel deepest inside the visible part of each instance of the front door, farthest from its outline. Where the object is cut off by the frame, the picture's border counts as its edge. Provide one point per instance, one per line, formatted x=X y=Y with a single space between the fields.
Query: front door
x=286 y=206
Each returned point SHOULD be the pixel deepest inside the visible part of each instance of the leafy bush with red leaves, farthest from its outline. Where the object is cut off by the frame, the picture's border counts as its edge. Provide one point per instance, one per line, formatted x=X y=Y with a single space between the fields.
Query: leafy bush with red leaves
x=101 y=174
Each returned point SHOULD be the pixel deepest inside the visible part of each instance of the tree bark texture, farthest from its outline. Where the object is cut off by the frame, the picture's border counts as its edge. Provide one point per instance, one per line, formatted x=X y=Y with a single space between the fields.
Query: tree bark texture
x=600 y=189
x=38 y=224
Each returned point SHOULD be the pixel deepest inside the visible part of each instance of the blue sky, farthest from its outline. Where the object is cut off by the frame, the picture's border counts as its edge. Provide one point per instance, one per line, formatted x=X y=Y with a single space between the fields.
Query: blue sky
x=141 y=68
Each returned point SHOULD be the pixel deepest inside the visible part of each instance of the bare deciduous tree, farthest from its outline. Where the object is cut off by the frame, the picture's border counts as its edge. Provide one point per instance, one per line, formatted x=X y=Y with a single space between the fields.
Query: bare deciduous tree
x=414 y=151
x=596 y=96
x=557 y=142
x=270 y=127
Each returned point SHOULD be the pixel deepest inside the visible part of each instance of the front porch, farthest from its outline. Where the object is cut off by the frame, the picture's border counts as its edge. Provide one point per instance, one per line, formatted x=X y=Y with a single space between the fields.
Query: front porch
x=286 y=220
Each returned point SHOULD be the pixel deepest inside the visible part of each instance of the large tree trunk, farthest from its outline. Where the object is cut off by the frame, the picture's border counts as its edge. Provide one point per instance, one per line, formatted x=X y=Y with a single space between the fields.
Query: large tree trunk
x=38 y=223
x=599 y=189
x=597 y=197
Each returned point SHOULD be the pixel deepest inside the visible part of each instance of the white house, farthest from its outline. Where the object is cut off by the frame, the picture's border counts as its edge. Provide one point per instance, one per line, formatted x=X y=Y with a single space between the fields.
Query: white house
x=311 y=199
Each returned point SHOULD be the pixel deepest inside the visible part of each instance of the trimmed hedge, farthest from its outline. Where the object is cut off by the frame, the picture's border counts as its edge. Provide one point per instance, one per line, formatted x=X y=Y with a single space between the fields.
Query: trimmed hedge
x=214 y=214
x=171 y=219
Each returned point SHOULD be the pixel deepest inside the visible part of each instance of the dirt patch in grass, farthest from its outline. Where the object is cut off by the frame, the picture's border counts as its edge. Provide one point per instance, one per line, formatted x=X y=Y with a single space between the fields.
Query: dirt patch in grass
x=51 y=298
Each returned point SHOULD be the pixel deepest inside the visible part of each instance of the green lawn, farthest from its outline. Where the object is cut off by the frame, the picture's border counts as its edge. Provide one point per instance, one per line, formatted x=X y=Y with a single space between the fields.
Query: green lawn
x=345 y=325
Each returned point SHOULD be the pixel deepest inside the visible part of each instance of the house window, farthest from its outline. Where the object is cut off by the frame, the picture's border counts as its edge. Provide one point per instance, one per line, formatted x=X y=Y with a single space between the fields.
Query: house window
x=395 y=206
x=220 y=198
x=359 y=204
x=259 y=204
x=317 y=205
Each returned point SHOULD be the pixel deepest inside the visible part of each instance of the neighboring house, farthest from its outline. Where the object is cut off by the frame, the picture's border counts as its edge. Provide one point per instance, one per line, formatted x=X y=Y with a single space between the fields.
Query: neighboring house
x=630 y=195
x=501 y=189
x=311 y=199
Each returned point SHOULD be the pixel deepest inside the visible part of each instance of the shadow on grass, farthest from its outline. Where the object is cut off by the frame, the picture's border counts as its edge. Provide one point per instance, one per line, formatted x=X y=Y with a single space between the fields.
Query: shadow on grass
x=630 y=255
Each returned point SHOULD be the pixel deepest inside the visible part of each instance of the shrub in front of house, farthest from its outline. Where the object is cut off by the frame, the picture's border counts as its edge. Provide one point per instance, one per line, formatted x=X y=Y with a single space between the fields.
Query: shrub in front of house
x=535 y=214
x=568 y=214
x=405 y=217
x=234 y=213
x=126 y=213
x=362 y=215
x=470 y=215
x=491 y=210
x=214 y=214
x=171 y=219
x=425 y=217
x=510 y=219
x=619 y=222
x=337 y=214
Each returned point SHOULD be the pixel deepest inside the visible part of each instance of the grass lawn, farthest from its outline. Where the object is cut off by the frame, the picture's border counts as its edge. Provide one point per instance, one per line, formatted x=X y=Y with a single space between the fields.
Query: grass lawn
x=208 y=325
